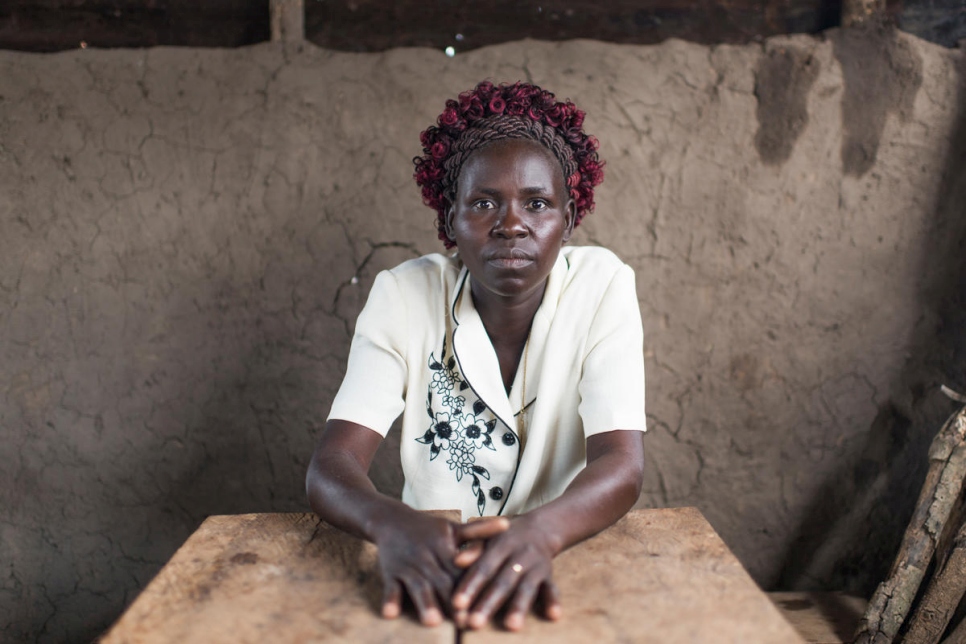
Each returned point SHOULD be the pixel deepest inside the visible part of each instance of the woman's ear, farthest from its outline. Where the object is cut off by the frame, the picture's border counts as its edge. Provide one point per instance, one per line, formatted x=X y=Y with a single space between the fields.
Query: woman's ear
x=570 y=216
x=448 y=223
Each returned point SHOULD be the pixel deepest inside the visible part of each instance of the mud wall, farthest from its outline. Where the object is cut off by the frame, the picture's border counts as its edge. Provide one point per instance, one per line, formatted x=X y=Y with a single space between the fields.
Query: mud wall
x=187 y=235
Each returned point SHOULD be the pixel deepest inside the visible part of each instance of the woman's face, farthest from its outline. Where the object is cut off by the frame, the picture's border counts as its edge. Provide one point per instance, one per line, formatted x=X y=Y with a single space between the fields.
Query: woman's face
x=511 y=215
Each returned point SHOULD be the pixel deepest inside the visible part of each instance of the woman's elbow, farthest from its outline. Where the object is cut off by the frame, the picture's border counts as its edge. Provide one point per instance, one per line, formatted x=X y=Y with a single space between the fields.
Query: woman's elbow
x=634 y=474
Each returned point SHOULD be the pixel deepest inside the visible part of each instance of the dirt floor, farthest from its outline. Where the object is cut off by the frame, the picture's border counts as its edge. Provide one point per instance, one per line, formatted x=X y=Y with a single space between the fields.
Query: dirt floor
x=187 y=235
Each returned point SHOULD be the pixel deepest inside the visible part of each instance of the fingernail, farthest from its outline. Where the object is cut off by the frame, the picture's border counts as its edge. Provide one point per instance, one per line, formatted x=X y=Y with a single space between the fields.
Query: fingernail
x=461 y=601
x=555 y=612
x=432 y=617
x=477 y=620
x=514 y=622
x=390 y=611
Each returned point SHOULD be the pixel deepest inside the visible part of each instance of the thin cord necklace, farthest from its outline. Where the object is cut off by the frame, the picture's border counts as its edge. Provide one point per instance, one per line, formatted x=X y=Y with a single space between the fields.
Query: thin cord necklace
x=523 y=408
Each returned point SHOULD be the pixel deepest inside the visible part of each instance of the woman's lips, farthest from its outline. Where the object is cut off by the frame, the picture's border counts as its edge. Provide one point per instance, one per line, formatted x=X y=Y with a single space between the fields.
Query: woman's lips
x=510 y=258
x=510 y=262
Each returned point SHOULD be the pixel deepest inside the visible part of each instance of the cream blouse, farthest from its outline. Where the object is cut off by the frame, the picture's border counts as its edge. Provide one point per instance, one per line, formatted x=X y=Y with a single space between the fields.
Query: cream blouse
x=420 y=349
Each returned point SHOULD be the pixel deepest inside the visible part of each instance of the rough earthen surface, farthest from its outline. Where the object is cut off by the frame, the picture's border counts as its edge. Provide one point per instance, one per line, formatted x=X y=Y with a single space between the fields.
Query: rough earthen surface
x=187 y=235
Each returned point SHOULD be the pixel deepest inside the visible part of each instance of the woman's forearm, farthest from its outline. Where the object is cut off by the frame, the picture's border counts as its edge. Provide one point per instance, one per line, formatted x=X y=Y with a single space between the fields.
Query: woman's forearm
x=338 y=486
x=599 y=495
x=417 y=551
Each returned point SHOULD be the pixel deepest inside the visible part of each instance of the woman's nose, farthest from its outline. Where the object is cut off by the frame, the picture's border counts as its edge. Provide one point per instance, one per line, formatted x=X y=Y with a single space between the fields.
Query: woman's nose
x=511 y=223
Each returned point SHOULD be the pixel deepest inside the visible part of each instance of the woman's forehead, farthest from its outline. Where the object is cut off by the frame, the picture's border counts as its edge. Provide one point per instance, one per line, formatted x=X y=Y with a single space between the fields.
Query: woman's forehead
x=513 y=160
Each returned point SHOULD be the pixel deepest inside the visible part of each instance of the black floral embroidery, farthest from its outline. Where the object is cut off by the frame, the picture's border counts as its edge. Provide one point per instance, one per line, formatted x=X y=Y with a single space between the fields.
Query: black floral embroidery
x=454 y=429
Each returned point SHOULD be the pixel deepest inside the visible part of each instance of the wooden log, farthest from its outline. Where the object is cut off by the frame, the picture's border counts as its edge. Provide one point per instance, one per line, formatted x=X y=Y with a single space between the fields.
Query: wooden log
x=958 y=636
x=892 y=600
x=943 y=595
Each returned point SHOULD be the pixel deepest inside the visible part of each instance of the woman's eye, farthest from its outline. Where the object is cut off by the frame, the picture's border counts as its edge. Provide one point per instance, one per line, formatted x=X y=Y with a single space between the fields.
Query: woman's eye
x=484 y=204
x=538 y=204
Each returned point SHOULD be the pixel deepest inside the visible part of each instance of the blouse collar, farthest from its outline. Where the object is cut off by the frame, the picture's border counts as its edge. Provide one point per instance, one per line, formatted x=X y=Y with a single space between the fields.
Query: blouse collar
x=477 y=358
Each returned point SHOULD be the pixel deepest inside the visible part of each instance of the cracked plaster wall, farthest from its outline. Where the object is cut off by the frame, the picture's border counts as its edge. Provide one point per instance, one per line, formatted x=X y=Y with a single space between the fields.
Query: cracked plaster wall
x=187 y=235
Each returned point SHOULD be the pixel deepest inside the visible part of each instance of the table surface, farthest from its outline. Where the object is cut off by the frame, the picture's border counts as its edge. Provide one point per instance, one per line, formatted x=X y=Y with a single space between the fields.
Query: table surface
x=661 y=576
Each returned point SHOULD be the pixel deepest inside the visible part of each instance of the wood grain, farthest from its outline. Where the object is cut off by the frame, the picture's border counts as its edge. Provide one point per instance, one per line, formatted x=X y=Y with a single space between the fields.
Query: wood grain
x=655 y=576
x=268 y=578
x=894 y=597
x=943 y=595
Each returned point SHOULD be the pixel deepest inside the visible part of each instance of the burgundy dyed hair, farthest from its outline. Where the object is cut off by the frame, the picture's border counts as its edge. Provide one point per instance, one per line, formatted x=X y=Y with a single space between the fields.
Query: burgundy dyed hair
x=479 y=117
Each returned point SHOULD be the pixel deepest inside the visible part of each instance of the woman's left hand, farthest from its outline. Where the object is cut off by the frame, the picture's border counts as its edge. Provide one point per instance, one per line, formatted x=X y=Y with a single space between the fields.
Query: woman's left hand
x=514 y=571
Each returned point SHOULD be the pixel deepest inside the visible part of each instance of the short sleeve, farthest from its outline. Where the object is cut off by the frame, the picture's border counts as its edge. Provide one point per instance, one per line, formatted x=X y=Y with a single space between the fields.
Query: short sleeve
x=612 y=378
x=373 y=390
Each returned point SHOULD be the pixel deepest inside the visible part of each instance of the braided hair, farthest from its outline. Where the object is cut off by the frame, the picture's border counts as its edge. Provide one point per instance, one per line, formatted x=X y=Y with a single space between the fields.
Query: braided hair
x=491 y=113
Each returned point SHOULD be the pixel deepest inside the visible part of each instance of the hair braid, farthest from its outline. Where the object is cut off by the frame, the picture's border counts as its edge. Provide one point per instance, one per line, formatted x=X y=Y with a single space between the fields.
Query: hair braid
x=491 y=113
x=498 y=128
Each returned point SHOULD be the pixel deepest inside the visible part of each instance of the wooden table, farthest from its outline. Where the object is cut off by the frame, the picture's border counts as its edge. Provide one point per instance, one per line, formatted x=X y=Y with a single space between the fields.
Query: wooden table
x=661 y=576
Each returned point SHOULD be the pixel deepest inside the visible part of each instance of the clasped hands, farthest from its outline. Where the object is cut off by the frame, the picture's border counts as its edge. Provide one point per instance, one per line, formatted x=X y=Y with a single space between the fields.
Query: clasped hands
x=468 y=571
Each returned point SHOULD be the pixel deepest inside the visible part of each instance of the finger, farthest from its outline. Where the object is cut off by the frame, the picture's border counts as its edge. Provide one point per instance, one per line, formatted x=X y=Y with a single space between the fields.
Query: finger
x=495 y=595
x=482 y=529
x=460 y=618
x=424 y=599
x=445 y=556
x=549 y=601
x=391 y=599
x=466 y=557
x=442 y=581
x=475 y=580
x=522 y=600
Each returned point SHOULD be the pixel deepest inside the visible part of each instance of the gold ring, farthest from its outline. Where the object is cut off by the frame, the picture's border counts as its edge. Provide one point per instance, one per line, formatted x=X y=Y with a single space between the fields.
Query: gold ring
x=516 y=568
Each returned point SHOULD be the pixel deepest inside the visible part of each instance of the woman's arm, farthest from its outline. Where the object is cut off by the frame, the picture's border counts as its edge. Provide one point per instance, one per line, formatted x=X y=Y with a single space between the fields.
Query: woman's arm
x=415 y=550
x=516 y=566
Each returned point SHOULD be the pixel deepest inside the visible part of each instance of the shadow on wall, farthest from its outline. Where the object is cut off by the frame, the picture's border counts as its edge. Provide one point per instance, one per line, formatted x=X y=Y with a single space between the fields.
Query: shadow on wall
x=851 y=532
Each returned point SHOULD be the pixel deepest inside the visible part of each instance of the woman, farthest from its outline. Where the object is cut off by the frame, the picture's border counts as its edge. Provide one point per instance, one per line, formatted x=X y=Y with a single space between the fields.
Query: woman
x=517 y=365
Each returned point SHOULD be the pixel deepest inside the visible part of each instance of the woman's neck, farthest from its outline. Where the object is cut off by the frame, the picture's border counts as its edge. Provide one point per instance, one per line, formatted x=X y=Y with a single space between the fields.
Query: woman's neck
x=506 y=318
x=507 y=322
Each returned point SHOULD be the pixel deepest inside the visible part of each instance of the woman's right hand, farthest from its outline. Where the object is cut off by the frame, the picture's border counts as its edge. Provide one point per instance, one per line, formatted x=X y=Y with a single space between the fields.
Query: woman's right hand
x=416 y=555
x=417 y=551
x=424 y=556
